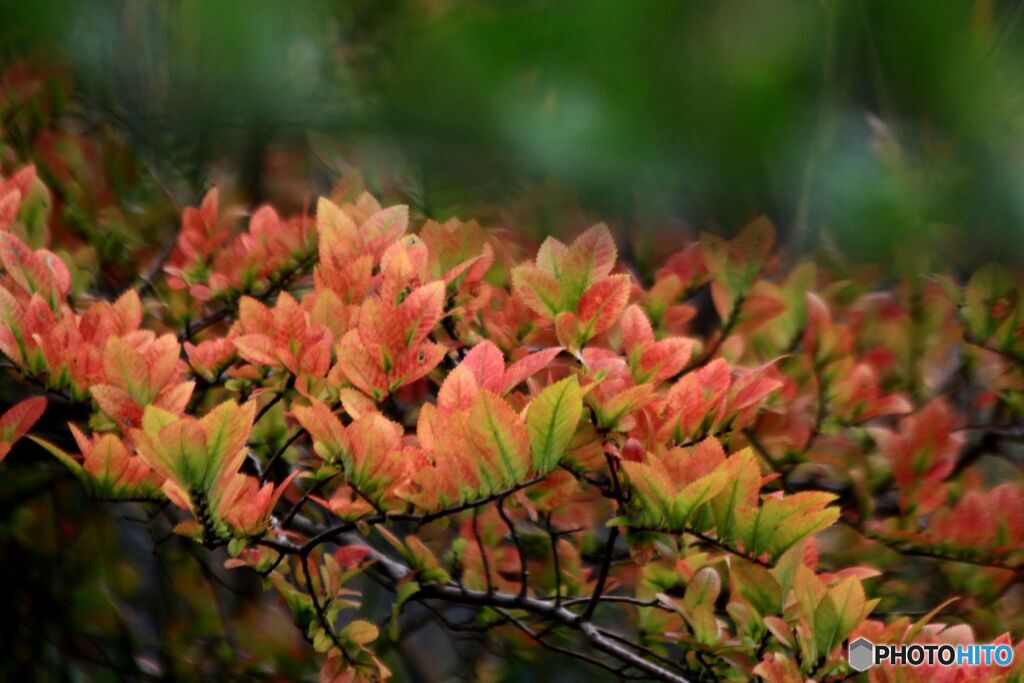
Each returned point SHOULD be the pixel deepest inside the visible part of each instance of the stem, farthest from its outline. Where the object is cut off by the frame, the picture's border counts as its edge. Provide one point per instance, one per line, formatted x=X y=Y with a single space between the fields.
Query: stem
x=524 y=572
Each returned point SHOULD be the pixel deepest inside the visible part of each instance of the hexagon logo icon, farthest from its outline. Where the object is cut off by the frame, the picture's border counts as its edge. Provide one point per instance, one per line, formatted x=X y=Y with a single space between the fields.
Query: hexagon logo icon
x=861 y=654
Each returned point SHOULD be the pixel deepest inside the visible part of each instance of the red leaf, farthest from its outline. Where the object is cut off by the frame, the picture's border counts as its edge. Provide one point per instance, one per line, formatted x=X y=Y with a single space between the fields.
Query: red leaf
x=487 y=363
x=18 y=420
x=526 y=367
x=602 y=303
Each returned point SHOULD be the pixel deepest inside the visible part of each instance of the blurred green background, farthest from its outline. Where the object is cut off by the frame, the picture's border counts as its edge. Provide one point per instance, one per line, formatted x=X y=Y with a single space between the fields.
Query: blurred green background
x=871 y=125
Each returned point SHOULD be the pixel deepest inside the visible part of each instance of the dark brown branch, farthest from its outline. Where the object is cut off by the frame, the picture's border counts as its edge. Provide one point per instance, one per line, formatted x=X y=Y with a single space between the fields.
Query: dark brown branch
x=270 y=404
x=280 y=453
x=297 y=507
x=147 y=280
x=609 y=546
x=1008 y=354
x=602 y=578
x=709 y=540
x=912 y=549
x=430 y=517
x=321 y=615
x=524 y=572
x=555 y=559
x=483 y=551
x=324 y=535
x=547 y=609
x=228 y=308
x=539 y=639
x=646 y=651
x=597 y=638
x=728 y=325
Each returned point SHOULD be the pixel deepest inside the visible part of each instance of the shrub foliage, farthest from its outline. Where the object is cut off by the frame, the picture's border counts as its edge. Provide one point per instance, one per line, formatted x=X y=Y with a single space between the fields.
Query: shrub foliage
x=723 y=473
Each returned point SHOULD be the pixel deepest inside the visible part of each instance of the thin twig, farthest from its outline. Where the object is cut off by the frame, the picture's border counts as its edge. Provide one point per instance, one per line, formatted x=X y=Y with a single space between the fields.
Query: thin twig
x=524 y=572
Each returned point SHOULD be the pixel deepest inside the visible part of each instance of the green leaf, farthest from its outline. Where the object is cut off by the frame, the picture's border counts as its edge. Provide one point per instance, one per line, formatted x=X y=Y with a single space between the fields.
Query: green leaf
x=808 y=590
x=236 y=546
x=757 y=586
x=756 y=529
x=785 y=568
x=795 y=530
x=654 y=489
x=696 y=494
x=782 y=522
x=360 y=632
x=501 y=441
x=421 y=557
x=702 y=621
x=154 y=419
x=551 y=422
x=738 y=495
x=838 y=614
x=703 y=589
